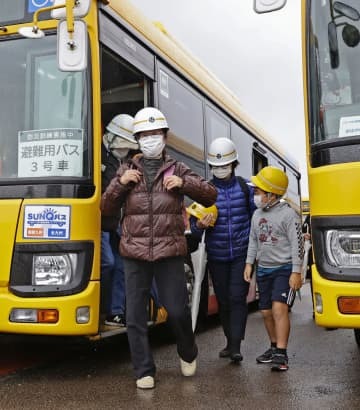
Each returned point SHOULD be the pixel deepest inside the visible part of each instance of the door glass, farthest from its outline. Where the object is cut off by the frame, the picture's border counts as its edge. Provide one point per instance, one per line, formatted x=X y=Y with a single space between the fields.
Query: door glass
x=334 y=78
x=44 y=113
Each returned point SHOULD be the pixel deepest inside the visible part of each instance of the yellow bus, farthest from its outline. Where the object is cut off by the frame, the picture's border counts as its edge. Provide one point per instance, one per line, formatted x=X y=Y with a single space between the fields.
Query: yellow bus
x=67 y=69
x=305 y=206
x=331 y=52
x=305 y=211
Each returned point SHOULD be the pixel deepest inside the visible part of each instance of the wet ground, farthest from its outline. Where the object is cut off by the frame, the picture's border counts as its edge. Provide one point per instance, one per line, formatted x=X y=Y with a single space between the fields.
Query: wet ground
x=76 y=374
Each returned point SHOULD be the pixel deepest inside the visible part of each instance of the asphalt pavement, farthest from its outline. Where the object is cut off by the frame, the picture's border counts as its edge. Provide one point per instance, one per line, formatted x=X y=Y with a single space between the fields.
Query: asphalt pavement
x=324 y=371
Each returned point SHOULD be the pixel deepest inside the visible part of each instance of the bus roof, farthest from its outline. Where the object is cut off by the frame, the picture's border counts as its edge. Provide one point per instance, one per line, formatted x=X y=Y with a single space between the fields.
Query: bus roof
x=171 y=50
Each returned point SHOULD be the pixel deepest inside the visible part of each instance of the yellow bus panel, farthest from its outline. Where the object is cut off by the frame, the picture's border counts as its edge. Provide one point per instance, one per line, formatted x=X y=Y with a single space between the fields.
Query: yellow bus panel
x=330 y=291
x=9 y=211
x=332 y=189
x=66 y=306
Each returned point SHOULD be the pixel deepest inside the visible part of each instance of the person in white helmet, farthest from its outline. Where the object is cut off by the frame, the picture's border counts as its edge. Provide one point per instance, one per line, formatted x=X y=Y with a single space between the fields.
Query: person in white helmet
x=151 y=188
x=118 y=141
x=226 y=243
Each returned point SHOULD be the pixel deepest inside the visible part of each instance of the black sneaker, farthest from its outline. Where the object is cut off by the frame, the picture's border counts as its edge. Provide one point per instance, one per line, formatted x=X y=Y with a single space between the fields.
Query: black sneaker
x=236 y=357
x=280 y=362
x=267 y=357
x=224 y=352
x=117 y=320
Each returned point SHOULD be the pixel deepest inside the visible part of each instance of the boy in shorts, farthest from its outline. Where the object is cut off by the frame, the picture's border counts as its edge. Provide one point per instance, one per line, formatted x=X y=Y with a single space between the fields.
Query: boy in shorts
x=276 y=244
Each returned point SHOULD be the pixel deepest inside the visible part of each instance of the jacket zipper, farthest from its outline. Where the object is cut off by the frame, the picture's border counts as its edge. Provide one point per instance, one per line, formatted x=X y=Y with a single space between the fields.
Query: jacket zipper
x=229 y=222
x=151 y=221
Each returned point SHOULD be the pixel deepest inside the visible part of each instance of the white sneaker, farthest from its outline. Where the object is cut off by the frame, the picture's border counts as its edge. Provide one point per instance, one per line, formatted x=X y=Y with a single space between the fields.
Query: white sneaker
x=146 y=382
x=188 y=369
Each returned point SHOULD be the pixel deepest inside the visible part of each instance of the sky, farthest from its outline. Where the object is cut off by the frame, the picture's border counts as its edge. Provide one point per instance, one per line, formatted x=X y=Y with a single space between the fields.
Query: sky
x=257 y=56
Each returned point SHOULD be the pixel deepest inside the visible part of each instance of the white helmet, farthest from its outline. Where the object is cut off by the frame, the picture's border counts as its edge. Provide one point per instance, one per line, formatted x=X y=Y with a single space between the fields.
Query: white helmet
x=221 y=152
x=122 y=125
x=149 y=118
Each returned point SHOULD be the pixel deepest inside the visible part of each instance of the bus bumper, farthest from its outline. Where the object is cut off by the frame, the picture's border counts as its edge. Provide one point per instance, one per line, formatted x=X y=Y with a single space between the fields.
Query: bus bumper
x=327 y=297
x=65 y=308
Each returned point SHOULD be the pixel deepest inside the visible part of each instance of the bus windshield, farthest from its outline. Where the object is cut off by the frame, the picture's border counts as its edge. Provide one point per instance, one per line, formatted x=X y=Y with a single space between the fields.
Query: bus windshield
x=334 y=71
x=44 y=114
x=21 y=11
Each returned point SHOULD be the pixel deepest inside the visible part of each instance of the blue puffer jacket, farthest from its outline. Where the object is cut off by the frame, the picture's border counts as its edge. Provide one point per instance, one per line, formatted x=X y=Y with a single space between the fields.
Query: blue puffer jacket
x=229 y=238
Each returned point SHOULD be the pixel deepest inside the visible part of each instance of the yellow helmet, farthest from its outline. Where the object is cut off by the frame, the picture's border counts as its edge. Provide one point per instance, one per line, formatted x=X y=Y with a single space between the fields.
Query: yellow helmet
x=271 y=179
x=200 y=211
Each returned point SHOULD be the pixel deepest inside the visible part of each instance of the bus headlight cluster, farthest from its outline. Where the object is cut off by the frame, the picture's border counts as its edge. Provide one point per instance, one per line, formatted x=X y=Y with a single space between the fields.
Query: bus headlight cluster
x=343 y=248
x=53 y=269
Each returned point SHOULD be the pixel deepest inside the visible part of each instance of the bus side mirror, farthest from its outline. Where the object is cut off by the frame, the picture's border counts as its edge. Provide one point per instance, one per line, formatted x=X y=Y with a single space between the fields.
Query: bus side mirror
x=333 y=45
x=72 y=52
x=346 y=11
x=266 y=6
x=351 y=35
x=81 y=9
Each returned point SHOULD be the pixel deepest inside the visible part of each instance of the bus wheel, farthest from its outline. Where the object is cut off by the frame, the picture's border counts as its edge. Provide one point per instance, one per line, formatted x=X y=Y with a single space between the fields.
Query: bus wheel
x=357 y=336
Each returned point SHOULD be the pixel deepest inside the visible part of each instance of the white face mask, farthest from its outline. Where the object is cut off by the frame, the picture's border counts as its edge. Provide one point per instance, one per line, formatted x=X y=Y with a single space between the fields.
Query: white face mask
x=222 y=172
x=152 y=145
x=120 y=153
x=258 y=201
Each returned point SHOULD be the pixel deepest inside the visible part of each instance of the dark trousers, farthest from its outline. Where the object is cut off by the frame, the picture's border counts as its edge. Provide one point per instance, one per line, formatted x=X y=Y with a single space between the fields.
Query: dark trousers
x=231 y=291
x=112 y=275
x=170 y=280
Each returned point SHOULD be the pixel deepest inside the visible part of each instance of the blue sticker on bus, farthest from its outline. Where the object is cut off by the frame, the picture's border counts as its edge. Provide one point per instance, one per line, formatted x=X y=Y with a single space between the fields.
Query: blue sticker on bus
x=34 y=5
x=57 y=233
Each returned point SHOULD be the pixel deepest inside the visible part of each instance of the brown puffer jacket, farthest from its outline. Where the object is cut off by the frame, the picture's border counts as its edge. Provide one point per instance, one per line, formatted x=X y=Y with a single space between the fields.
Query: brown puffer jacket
x=153 y=225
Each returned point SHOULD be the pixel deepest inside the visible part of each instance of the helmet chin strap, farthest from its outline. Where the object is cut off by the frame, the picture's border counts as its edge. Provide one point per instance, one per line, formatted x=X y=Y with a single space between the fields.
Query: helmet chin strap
x=269 y=204
x=112 y=140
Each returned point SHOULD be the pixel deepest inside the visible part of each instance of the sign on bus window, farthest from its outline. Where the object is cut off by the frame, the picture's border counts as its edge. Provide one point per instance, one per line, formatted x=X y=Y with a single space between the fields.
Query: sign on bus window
x=50 y=153
x=349 y=126
x=34 y=5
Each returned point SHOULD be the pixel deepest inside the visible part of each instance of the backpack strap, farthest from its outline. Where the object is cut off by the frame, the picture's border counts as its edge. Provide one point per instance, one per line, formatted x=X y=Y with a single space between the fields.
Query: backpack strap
x=168 y=172
x=245 y=188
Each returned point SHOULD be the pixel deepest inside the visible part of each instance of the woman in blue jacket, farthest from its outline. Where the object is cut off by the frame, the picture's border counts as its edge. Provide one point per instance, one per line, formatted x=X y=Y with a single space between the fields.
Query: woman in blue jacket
x=227 y=242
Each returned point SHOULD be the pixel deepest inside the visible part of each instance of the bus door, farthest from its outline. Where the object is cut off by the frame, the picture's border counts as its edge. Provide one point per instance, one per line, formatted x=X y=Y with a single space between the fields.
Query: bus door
x=127 y=71
x=127 y=76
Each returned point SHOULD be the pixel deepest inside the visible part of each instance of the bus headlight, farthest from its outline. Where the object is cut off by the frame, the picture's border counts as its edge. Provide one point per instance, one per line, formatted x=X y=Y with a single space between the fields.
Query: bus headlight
x=343 y=248
x=53 y=269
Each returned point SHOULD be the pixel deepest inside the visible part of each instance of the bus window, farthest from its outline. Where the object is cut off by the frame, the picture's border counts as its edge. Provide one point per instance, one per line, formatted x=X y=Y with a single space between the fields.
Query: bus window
x=293 y=191
x=44 y=115
x=20 y=11
x=335 y=100
x=216 y=125
x=259 y=159
x=243 y=142
x=305 y=206
x=183 y=110
x=43 y=88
